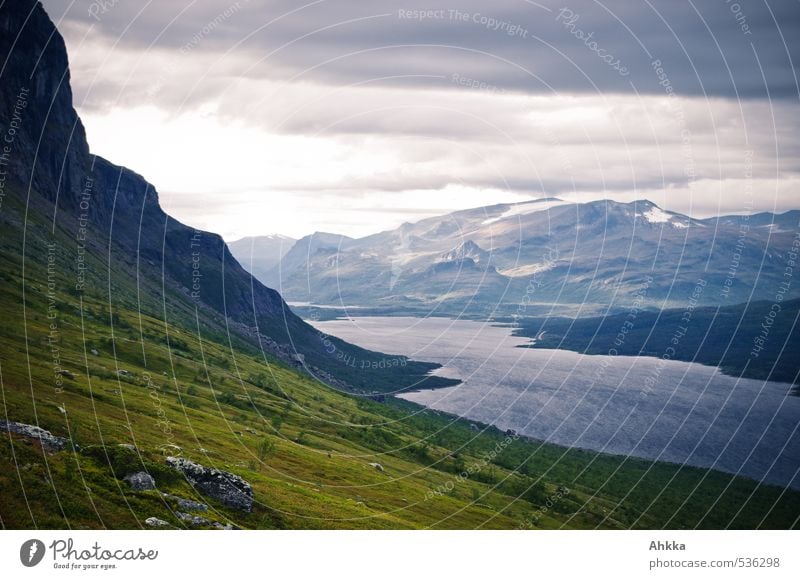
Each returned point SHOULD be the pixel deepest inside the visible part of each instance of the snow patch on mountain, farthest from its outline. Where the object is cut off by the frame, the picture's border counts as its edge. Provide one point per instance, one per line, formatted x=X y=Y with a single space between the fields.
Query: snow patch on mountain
x=657 y=215
x=526 y=208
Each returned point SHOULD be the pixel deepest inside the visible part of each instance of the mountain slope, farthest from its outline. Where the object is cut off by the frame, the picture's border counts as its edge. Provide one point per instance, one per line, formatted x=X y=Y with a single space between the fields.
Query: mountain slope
x=118 y=214
x=545 y=255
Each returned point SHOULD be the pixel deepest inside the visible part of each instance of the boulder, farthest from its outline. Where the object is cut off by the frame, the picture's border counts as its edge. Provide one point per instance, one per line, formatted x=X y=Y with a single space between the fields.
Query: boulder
x=50 y=443
x=376 y=466
x=156 y=522
x=190 y=505
x=228 y=488
x=197 y=521
x=140 y=481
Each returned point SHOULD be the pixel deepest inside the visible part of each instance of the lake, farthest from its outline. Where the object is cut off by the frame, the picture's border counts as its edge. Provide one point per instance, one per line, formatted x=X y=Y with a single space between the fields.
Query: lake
x=636 y=406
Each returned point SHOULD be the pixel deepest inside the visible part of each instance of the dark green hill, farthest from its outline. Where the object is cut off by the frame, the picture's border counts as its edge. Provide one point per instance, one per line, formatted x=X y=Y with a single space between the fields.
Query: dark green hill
x=743 y=340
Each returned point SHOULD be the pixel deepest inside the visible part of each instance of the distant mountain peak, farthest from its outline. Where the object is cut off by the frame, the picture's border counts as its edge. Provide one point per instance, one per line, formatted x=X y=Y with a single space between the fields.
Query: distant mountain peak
x=466 y=250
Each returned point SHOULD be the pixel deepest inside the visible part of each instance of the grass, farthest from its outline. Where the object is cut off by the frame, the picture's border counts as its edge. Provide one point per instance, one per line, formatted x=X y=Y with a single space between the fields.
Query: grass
x=140 y=366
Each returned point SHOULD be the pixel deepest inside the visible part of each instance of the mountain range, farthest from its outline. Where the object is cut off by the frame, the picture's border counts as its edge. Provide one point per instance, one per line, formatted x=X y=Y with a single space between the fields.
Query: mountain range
x=540 y=256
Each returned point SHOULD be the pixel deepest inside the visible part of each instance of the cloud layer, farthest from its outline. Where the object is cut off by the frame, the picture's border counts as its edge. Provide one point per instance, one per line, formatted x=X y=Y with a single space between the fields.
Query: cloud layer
x=252 y=116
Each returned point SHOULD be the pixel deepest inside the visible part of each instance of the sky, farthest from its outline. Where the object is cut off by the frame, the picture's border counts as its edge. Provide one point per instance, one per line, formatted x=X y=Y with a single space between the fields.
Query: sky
x=258 y=117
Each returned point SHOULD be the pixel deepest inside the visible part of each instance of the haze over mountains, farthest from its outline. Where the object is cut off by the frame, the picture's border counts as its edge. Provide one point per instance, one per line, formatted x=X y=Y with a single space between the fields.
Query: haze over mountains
x=260 y=254
x=520 y=258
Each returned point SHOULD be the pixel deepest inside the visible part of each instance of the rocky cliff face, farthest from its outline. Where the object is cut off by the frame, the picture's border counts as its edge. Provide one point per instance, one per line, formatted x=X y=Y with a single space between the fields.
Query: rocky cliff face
x=184 y=275
x=46 y=139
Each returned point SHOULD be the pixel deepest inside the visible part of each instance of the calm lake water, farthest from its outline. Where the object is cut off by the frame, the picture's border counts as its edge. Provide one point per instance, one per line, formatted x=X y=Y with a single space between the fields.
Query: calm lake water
x=645 y=407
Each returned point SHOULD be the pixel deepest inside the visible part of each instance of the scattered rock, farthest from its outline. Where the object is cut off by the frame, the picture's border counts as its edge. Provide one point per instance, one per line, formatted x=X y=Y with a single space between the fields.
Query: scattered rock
x=186 y=504
x=49 y=442
x=141 y=481
x=66 y=374
x=123 y=373
x=96 y=353
x=156 y=522
x=190 y=505
x=376 y=466
x=128 y=446
x=228 y=488
x=197 y=521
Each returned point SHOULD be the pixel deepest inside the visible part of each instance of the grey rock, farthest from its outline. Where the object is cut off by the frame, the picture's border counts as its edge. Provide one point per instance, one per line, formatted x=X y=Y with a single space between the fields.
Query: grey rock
x=376 y=466
x=190 y=505
x=228 y=488
x=186 y=504
x=197 y=521
x=141 y=481
x=50 y=443
x=156 y=522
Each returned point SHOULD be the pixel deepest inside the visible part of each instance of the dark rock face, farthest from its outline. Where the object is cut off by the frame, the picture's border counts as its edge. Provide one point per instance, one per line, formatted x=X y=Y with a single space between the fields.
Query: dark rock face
x=50 y=443
x=230 y=489
x=50 y=169
x=35 y=85
x=141 y=481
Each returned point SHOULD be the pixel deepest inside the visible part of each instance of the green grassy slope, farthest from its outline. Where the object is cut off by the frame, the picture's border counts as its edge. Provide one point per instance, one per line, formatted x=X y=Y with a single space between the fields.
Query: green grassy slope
x=304 y=447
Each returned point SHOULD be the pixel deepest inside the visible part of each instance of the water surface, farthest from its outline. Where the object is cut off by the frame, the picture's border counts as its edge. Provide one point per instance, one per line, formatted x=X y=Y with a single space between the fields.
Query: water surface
x=639 y=406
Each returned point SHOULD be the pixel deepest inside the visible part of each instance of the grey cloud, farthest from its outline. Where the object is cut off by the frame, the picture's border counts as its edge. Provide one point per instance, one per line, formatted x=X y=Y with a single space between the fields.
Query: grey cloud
x=703 y=47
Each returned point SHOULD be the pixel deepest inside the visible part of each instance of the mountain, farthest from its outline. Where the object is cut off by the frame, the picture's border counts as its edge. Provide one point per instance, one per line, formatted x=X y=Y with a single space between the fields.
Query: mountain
x=259 y=255
x=122 y=238
x=542 y=255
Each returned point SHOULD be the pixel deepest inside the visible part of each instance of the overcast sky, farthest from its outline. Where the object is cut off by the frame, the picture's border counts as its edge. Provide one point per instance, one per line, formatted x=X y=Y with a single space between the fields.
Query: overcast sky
x=256 y=117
